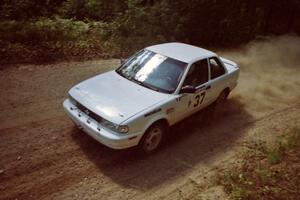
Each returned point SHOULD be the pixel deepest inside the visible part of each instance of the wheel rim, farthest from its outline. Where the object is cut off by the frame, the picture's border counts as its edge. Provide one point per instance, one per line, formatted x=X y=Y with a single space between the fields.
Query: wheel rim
x=153 y=139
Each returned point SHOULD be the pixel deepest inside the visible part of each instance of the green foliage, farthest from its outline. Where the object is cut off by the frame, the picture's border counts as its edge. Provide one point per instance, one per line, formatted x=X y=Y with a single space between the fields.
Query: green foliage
x=274 y=157
x=43 y=30
x=121 y=27
x=267 y=171
x=238 y=194
x=46 y=39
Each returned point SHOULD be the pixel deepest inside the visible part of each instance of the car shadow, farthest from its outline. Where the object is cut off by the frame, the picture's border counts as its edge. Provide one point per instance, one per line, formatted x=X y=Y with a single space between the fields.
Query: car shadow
x=196 y=140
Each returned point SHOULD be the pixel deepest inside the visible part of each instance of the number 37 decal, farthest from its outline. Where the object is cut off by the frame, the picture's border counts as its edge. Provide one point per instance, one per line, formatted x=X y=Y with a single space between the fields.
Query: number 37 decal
x=199 y=99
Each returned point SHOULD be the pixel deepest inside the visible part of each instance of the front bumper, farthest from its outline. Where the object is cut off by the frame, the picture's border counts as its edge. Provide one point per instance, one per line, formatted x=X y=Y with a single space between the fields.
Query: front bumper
x=101 y=134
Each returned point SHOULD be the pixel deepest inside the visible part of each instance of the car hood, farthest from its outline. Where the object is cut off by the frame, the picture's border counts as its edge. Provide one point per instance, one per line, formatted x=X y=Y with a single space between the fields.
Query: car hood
x=114 y=97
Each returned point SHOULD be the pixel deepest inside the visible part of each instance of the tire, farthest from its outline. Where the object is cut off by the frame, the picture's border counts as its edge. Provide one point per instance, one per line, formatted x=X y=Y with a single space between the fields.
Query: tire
x=219 y=102
x=222 y=98
x=153 y=138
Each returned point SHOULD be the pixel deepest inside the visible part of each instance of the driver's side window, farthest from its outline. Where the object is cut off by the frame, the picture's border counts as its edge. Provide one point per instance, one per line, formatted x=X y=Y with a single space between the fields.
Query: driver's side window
x=198 y=74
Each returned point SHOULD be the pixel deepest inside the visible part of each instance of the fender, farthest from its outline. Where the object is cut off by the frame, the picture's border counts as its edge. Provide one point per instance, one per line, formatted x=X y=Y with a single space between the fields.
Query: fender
x=155 y=119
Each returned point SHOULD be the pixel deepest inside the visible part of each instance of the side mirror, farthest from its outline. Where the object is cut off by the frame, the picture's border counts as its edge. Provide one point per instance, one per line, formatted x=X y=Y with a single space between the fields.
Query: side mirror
x=122 y=60
x=188 y=89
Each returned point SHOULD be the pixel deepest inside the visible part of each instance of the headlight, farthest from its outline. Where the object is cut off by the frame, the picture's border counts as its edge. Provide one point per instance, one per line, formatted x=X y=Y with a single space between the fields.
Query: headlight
x=114 y=127
x=123 y=129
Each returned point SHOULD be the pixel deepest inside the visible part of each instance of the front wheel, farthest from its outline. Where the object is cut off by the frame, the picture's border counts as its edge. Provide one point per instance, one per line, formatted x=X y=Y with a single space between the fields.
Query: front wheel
x=152 y=138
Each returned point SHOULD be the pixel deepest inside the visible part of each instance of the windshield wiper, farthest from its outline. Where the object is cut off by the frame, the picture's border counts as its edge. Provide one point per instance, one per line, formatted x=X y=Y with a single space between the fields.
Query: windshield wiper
x=142 y=83
x=145 y=85
x=151 y=86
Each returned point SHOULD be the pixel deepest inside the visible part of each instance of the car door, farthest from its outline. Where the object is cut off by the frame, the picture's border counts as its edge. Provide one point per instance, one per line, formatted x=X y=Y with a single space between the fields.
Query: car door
x=197 y=76
x=217 y=78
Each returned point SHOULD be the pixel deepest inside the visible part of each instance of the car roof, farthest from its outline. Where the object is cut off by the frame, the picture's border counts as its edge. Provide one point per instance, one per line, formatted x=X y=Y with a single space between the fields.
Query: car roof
x=180 y=51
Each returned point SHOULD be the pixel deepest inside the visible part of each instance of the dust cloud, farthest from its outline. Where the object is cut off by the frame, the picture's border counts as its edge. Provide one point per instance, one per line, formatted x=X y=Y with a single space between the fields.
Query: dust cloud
x=269 y=52
x=270 y=73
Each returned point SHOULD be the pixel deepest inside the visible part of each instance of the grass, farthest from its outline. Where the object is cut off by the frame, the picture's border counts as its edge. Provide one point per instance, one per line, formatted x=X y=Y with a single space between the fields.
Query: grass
x=267 y=171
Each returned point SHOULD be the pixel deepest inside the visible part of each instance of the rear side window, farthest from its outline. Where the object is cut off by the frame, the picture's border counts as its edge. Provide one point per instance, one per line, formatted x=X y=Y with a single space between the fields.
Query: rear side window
x=216 y=68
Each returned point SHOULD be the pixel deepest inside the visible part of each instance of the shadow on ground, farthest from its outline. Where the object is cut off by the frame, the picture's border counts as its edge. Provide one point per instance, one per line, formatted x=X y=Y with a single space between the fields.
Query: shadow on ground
x=195 y=141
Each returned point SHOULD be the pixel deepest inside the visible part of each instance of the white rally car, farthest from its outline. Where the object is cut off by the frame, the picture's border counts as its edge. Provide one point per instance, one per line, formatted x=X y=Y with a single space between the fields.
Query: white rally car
x=151 y=91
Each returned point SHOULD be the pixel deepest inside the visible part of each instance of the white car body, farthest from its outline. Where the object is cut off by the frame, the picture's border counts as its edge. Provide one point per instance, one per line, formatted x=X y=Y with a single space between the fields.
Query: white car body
x=119 y=101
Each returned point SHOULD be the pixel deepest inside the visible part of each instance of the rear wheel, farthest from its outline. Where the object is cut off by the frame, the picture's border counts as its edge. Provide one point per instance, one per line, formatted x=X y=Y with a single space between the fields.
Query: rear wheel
x=222 y=97
x=220 y=100
x=152 y=139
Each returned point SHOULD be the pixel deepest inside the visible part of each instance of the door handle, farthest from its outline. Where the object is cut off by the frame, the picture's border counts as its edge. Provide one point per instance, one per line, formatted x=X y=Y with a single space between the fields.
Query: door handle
x=208 y=87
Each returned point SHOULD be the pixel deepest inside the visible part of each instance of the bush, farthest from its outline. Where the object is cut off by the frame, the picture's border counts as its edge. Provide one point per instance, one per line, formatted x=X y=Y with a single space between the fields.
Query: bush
x=120 y=28
x=45 y=40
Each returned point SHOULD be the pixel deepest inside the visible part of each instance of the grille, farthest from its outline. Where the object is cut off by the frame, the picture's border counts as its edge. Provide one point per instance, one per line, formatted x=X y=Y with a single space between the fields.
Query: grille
x=87 y=111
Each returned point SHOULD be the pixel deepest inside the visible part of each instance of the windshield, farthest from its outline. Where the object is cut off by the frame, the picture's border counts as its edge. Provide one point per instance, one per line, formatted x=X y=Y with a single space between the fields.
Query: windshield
x=153 y=70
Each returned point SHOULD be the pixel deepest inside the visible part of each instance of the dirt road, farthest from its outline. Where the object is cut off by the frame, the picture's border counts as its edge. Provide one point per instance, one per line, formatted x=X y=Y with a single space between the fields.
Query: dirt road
x=43 y=156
